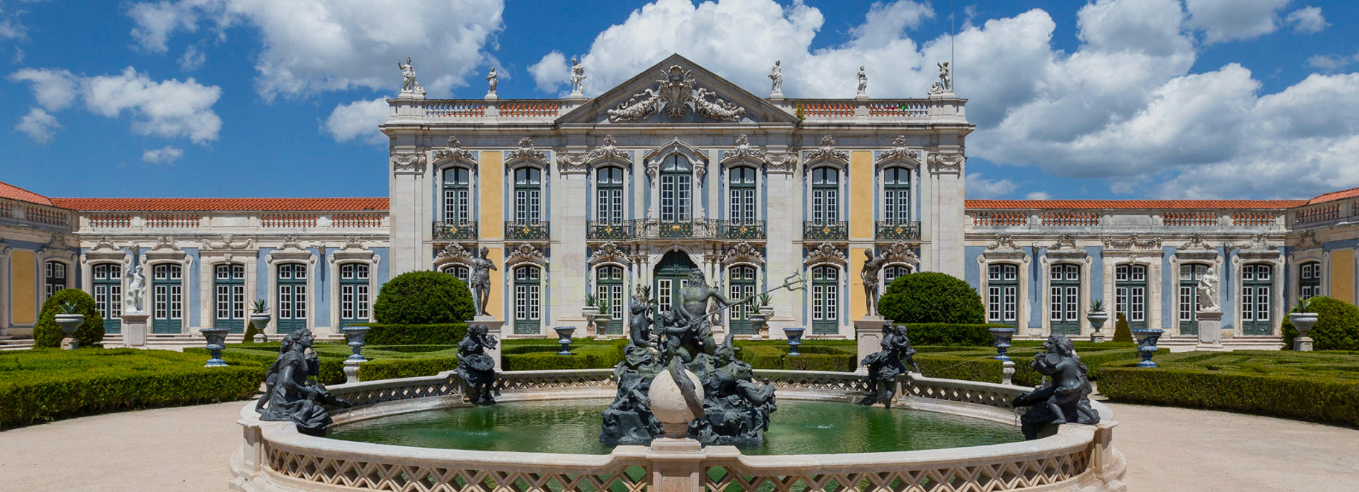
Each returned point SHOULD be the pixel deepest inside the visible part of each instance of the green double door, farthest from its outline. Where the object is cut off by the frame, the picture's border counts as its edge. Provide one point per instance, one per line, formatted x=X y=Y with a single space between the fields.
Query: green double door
x=671 y=275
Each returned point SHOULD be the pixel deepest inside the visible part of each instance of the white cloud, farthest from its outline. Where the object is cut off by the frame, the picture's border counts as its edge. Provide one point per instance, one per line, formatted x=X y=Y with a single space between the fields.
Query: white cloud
x=192 y=59
x=1331 y=62
x=164 y=155
x=358 y=120
x=1231 y=20
x=38 y=125
x=551 y=71
x=11 y=22
x=312 y=46
x=55 y=90
x=1038 y=195
x=169 y=108
x=980 y=187
x=1307 y=20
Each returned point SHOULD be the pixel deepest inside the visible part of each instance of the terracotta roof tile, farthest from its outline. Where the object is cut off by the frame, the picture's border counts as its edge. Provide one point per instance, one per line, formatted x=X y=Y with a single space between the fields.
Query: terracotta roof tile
x=222 y=204
x=1334 y=195
x=16 y=193
x=1134 y=204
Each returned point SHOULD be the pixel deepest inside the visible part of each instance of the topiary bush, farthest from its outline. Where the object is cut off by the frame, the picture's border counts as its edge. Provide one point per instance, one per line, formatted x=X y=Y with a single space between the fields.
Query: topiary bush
x=47 y=334
x=1337 y=326
x=1122 y=332
x=951 y=334
x=415 y=298
x=931 y=297
x=436 y=334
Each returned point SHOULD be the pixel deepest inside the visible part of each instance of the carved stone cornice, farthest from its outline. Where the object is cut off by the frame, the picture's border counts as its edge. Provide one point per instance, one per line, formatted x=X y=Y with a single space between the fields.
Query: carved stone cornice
x=742 y=153
x=827 y=153
x=900 y=252
x=946 y=162
x=408 y=163
x=676 y=93
x=742 y=252
x=608 y=253
x=453 y=253
x=825 y=253
x=525 y=253
x=780 y=163
x=526 y=152
x=455 y=153
x=1132 y=243
x=898 y=155
x=227 y=244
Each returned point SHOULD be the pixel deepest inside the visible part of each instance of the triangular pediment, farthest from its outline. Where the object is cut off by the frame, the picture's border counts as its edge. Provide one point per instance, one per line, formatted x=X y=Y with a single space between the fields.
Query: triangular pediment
x=676 y=91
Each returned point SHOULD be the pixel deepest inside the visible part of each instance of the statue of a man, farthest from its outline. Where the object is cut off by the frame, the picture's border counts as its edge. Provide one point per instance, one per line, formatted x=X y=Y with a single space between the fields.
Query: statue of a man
x=491 y=80
x=577 y=76
x=1207 y=291
x=945 y=82
x=136 y=290
x=481 y=280
x=872 y=265
x=691 y=313
x=863 y=81
x=776 y=75
x=407 y=75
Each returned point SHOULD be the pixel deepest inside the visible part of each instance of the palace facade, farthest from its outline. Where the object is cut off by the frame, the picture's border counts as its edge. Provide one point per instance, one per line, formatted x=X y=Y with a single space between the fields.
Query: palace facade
x=672 y=171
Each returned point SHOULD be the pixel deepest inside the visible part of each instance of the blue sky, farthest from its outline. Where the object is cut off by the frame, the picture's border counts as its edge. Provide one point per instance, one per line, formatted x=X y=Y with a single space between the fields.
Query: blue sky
x=1106 y=99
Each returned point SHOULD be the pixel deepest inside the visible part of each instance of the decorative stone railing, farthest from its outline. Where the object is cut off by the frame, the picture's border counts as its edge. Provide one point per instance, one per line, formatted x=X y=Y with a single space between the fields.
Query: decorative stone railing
x=1134 y=221
x=479 y=110
x=818 y=110
x=493 y=111
x=187 y=221
x=1325 y=213
x=243 y=223
x=36 y=214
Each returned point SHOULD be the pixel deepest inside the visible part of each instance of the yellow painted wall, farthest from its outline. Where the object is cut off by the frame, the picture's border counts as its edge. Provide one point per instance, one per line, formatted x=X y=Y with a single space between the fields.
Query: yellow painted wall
x=24 y=283
x=490 y=182
x=857 y=309
x=1342 y=275
x=861 y=195
x=496 y=301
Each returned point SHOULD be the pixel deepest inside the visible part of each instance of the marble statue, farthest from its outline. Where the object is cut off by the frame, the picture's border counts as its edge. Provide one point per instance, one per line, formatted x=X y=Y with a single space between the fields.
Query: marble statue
x=863 y=81
x=776 y=75
x=885 y=365
x=1065 y=397
x=491 y=80
x=945 y=82
x=869 y=274
x=407 y=75
x=290 y=395
x=577 y=76
x=136 y=291
x=481 y=280
x=475 y=367
x=1207 y=291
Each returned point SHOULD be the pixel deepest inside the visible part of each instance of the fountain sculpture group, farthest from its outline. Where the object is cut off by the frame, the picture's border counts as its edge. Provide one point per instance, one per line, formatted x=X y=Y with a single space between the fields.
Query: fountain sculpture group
x=885 y=365
x=1063 y=398
x=476 y=368
x=291 y=394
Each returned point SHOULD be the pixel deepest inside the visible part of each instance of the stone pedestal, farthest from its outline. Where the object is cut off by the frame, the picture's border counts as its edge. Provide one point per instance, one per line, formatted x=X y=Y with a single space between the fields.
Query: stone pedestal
x=676 y=465
x=351 y=371
x=1210 y=331
x=134 y=329
x=868 y=332
x=494 y=327
x=1302 y=344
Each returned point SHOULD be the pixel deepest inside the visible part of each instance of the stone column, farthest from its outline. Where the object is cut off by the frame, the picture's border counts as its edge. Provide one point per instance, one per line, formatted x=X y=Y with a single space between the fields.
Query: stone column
x=404 y=210
x=782 y=258
x=569 y=283
x=946 y=219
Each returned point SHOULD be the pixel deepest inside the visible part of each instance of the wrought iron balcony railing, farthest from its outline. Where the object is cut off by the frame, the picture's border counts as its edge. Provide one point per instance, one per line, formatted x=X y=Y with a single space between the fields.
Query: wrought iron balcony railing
x=741 y=229
x=458 y=230
x=527 y=231
x=675 y=229
x=898 y=231
x=613 y=230
x=825 y=231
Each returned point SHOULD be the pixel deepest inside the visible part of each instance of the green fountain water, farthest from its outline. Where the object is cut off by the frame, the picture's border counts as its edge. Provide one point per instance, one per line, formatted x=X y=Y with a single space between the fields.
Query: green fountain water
x=572 y=426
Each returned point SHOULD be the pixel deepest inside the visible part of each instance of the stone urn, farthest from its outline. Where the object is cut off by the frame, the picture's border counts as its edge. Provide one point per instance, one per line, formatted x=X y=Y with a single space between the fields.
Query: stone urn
x=564 y=338
x=1302 y=322
x=669 y=406
x=794 y=339
x=1146 y=345
x=757 y=323
x=261 y=322
x=1097 y=319
x=69 y=323
x=355 y=336
x=767 y=312
x=1002 y=336
x=216 y=342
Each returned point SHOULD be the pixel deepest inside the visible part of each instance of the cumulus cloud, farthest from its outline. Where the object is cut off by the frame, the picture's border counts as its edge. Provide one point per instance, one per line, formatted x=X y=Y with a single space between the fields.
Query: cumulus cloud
x=38 y=125
x=311 y=46
x=978 y=186
x=164 y=155
x=11 y=21
x=168 y=108
x=358 y=120
x=192 y=59
x=1231 y=20
x=1331 y=62
x=551 y=71
x=1038 y=195
x=1307 y=20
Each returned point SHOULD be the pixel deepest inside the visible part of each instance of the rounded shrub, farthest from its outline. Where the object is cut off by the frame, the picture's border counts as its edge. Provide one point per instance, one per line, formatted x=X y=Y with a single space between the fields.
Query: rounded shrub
x=47 y=334
x=931 y=297
x=1337 y=326
x=415 y=298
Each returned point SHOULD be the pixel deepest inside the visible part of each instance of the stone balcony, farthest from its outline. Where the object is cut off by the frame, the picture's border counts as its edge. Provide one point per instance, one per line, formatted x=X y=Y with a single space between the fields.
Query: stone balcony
x=519 y=230
x=897 y=231
x=825 y=231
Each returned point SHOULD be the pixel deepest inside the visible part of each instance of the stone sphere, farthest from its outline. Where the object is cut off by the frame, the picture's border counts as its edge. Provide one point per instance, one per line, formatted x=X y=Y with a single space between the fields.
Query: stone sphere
x=668 y=405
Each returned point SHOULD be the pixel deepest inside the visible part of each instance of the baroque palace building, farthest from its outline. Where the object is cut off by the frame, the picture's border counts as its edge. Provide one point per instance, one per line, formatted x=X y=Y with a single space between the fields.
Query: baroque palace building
x=677 y=170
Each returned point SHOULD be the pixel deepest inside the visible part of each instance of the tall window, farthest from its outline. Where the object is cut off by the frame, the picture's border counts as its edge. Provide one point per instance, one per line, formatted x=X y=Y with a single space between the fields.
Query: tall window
x=457 y=194
x=1130 y=294
x=742 y=194
x=676 y=189
x=890 y=273
x=527 y=300
x=528 y=192
x=461 y=272
x=1064 y=299
x=1189 y=297
x=1256 y=285
x=56 y=278
x=896 y=195
x=609 y=289
x=609 y=195
x=107 y=281
x=353 y=294
x=1309 y=280
x=825 y=300
x=825 y=194
x=292 y=297
x=741 y=281
x=228 y=285
x=1002 y=294
x=167 y=290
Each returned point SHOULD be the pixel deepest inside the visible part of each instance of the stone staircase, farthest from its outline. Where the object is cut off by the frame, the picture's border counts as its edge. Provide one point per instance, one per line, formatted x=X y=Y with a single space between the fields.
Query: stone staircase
x=115 y=340
x=1191 y=344
x=14 y=343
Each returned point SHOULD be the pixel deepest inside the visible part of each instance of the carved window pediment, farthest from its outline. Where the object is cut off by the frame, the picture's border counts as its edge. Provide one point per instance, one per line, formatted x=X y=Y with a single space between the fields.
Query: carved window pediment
x=825 y=253
x=742 y=252
x=456 y=154
x=526 y=153
x=452 y=253
x=698 y=160
x=525 y=253
x=608 y=253
x=826 y=153
x=899 y=155
x=743 y=153
x=900 y=252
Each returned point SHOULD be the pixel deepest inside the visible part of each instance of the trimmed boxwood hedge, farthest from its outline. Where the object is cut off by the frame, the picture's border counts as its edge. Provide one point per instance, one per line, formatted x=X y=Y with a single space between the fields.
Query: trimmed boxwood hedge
x=1316 y=398
x=433 y=334
x=540 y=354
x=968 y=335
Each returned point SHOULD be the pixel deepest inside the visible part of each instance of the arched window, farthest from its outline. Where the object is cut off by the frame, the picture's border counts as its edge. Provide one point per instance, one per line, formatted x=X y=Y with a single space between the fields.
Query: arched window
x=825 y=195
x=457 y=194
x=890 y=273
x=1309 y=280
x=228 y=285
x=528 y=192
x=292 y=297
x=107 y=282
x=676 y=189
x=1130 y=294
x=825 y=300
x=741 y=279
x=896 y=195
x=741 y=194
x=609 y=290
x=527 y=300
x=461 y=272
x=56 y=278
x=1065 y=299
x=167 y=301
x=1257 y=283
x=609 y=195
x=1189 y=297
x=353 y=294
x=1002 y=294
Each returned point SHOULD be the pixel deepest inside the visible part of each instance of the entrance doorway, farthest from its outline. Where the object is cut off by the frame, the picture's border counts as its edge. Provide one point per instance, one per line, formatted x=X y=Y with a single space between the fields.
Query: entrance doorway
x=671 y=275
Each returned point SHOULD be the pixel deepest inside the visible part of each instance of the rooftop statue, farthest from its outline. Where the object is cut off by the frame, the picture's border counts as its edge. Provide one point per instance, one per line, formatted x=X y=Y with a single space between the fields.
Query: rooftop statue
x=408 y=83
x=290 y=395
x=475 y=367
x=885 y=365
x=577 y=77
x=945 y=83
x=776 y=75
x=1065 y=397
x=863 y=81
x=480 y=280
x=491 y=80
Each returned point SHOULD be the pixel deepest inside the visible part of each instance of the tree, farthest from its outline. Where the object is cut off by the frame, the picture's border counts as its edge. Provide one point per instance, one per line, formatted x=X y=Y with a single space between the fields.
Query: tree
x=417 y=298
x=930 y=297
x=47 y=334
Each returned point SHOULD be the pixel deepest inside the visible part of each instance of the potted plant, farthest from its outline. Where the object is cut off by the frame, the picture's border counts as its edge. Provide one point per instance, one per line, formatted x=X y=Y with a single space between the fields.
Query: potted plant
x=766 y=308
x=1097 y=317
x=590 y=308
x=1303 y=318
x=69 y=318
x=259 y=317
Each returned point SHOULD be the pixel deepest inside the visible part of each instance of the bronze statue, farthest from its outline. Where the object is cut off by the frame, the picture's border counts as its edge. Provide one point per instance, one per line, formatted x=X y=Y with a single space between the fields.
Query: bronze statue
x=628 y=420
x=475 y=367
x=869 y=274
x=481 y=280
x=736 y=408
x=689 y=328
x=639 y=331
x=885 y=365
x=1064 y=398
x=288 y=392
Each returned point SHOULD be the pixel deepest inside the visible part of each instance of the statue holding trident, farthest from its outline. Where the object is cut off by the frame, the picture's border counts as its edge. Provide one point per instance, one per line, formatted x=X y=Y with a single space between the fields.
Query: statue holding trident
x=481 y=280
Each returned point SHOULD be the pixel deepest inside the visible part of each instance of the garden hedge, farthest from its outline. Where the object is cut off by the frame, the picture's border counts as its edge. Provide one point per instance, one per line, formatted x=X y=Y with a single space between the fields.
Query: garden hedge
x=1337 y=326
x=968 y=335
x=47 y=334
x=401 y=334
x=1316 y=398
x=541 y=354
x=415 y=298
x=931 y=297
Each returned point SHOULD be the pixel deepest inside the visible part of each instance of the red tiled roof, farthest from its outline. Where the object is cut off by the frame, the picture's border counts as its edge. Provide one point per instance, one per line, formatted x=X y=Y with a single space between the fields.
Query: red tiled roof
x=16 y=193
x=221 y=204
x=1133 y=204
x=1334 y=195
